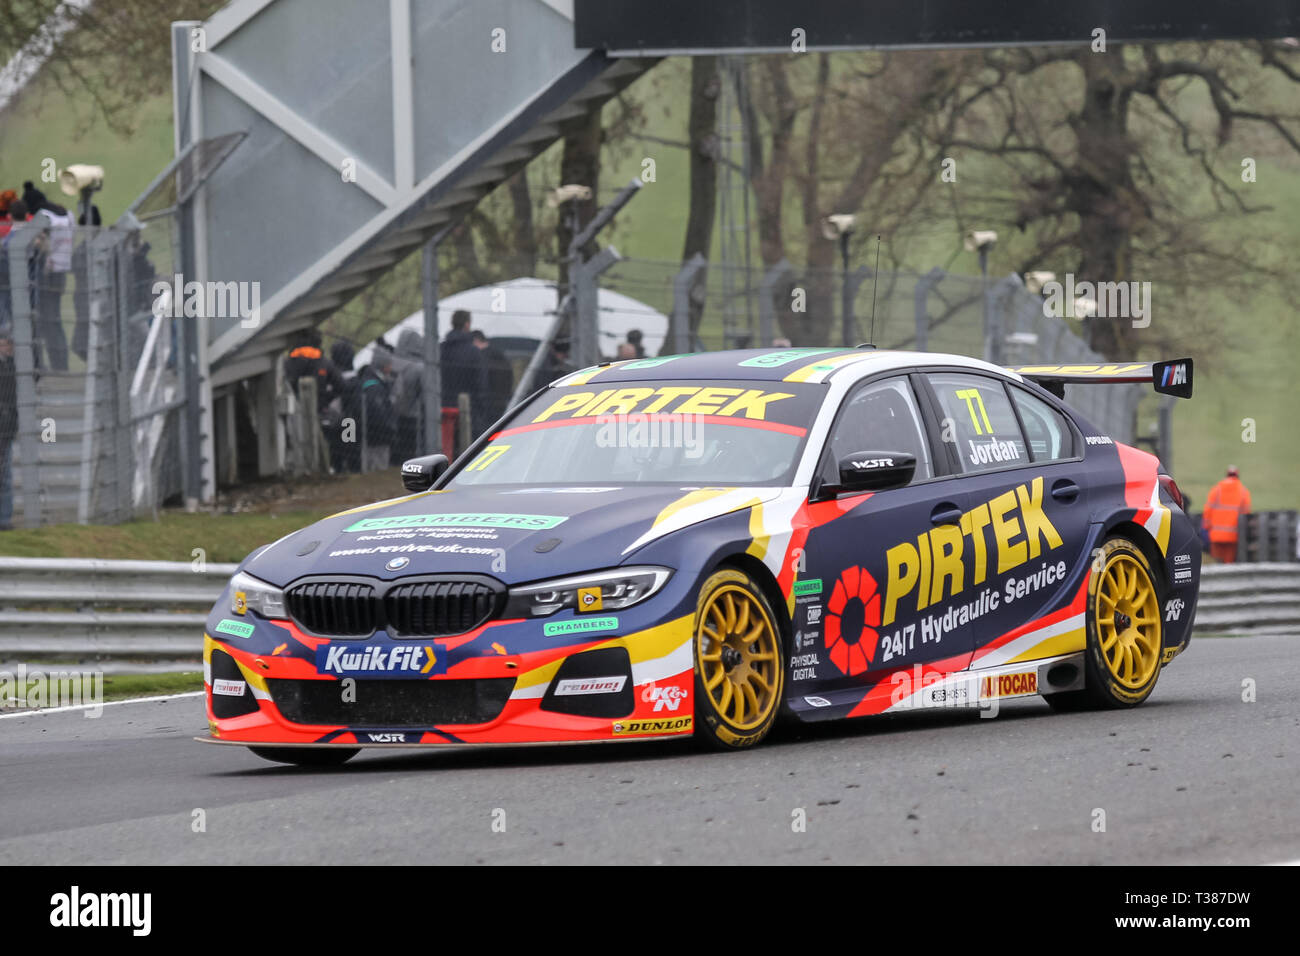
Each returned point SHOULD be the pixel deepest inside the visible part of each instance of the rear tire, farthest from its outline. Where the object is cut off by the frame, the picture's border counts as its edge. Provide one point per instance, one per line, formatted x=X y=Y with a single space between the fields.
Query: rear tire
x=739 y=667
x=307 y=756
x=1125 y=632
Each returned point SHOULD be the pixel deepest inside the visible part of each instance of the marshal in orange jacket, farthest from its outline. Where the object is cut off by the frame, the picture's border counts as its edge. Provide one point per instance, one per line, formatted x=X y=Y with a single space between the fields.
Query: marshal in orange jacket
x=1228 y=500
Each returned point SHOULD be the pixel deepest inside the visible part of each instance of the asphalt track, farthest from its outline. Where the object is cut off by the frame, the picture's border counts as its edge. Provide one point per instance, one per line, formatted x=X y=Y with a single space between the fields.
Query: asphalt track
x=1194 y=776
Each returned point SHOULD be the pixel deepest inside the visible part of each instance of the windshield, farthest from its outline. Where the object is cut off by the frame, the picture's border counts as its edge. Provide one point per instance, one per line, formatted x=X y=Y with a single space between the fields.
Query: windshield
x=680 y=432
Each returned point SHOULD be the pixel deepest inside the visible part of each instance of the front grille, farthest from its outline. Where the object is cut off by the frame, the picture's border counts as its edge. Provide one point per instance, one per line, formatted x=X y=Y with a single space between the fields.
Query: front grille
x=392 y=703
x=438 y=608
x=428 y=606
x=335 y=608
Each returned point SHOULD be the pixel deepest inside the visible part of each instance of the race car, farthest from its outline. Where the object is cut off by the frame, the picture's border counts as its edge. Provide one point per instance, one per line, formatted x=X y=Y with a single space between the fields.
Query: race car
x=700 y=545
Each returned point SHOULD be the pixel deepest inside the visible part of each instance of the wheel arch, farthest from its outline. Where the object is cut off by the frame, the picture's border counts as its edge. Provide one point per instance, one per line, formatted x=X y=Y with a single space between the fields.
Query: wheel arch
x=1140 y=536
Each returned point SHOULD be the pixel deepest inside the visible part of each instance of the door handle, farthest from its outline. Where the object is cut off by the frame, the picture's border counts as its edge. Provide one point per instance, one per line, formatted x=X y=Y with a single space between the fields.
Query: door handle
x=945 y=513
x=1065 y=490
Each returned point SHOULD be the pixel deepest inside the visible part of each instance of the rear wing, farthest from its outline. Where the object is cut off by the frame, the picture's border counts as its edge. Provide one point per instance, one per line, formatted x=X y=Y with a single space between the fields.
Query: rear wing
x=1168 y=378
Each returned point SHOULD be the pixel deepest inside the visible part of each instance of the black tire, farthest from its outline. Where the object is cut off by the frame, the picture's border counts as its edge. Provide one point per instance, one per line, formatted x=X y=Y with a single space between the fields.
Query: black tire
x=732 y=608
x=1122 y=588
x=307 y=756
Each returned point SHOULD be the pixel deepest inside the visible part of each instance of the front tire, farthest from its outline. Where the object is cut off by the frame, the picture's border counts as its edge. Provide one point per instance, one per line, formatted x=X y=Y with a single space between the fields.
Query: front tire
x=307 y=756
x=739 y=669
x=1125 y=632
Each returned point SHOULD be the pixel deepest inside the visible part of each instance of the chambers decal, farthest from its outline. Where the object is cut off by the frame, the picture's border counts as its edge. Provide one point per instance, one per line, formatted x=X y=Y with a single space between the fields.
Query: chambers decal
x=1007 y=531
x=234 y=628
x=557 y=628
x=373 y=660
x=521 y=522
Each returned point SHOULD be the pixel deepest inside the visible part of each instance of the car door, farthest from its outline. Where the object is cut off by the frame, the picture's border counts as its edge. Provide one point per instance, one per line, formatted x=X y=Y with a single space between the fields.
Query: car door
x=1029 y=521
x=884 y=568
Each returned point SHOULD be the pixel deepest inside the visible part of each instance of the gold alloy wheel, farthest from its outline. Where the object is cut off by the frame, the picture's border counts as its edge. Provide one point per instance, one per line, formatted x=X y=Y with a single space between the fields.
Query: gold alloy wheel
x=739 y=657
x=1128 y=621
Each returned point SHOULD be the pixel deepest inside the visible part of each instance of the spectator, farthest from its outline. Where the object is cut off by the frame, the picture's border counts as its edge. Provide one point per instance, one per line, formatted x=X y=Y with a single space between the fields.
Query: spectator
x=462 y=373
x=307 y=359
x=554 y=366
x=17 y=216
x=408 y=395
x=498 y=383
x=373 y=409
x=634 y=340
x=1227 y=502
x=344 y=455
x=8 y=425
x=7 y=198
x=342 y=418
x=140 y=293
x=33 y=198
x=54 y=252
x=626 y=351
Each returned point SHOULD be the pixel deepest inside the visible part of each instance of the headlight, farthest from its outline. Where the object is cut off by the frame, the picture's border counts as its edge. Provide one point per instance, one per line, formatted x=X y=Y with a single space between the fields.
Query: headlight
x=249 y=594
x=601 y=591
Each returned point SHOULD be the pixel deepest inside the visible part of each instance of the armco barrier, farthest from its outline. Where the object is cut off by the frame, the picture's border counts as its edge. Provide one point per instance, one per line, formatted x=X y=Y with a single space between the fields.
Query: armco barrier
x=95 y=608
x=1249 y=597
x=154 y=610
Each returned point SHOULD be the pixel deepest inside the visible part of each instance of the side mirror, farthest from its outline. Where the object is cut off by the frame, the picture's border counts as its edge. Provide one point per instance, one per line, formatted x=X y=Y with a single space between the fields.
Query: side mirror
x=419 y=474
x=876 y=470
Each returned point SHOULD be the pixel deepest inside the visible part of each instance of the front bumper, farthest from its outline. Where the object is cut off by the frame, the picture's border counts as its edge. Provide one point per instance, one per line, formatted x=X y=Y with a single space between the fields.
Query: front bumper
x=505 y=683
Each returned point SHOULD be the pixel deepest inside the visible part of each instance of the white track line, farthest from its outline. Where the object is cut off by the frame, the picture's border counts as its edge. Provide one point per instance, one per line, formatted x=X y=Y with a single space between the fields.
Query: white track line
x=110 y=703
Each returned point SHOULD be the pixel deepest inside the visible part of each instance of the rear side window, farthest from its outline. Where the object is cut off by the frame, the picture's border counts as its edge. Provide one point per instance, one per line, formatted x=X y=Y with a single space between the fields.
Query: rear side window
x=978 y=418
x=1048 y=433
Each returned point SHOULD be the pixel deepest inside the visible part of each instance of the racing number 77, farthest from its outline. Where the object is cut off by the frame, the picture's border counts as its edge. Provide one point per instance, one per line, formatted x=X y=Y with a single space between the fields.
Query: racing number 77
x=972 y=398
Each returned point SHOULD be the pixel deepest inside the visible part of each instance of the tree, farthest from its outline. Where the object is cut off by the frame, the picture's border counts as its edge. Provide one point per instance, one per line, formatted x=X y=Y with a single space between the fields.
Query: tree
x=702 y=133
x=843 y=132
x=1115 y=166
x=110 y=54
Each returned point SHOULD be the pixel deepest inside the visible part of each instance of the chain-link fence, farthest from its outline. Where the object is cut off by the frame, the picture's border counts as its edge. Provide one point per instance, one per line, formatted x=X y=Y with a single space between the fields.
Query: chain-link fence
x=89 y=378
x=372 y=415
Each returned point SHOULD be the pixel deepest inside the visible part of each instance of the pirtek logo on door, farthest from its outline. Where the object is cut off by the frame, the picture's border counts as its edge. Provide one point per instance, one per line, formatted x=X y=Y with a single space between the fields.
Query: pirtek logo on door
x=935 y=567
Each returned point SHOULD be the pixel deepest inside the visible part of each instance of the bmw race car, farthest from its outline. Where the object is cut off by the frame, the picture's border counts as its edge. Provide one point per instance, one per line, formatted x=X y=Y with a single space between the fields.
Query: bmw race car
x=701 y=544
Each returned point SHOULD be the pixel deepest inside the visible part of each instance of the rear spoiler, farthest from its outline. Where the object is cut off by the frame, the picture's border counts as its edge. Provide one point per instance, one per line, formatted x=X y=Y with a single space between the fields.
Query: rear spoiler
x=1168 y=378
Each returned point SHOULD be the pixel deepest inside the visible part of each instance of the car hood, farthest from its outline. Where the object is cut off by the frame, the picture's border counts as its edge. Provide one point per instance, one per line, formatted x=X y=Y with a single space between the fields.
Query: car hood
x=515 y=535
